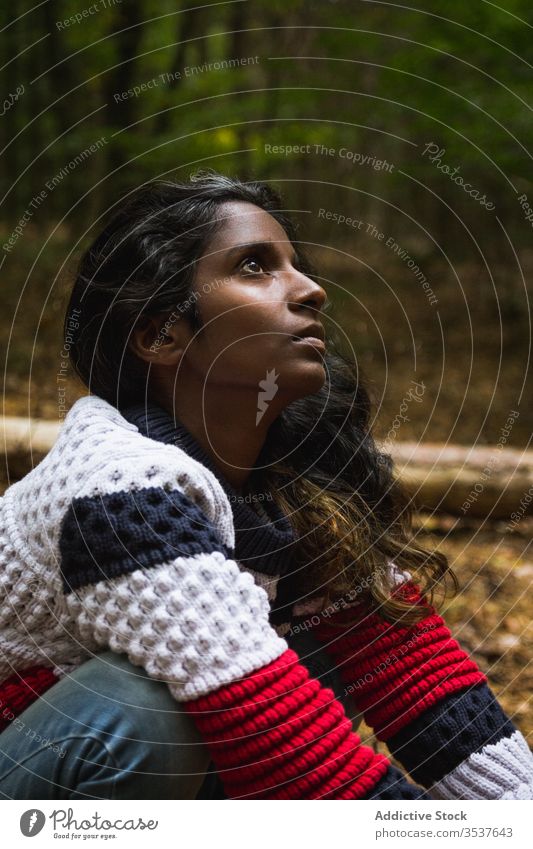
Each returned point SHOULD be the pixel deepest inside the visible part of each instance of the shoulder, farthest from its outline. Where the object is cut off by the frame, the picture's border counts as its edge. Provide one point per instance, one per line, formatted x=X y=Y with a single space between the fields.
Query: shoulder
x=138 y=502
x=99 y=454
x=108 y=454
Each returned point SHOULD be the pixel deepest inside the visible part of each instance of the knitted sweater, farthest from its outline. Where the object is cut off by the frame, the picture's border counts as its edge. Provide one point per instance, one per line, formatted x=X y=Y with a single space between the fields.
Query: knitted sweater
x=121 y=538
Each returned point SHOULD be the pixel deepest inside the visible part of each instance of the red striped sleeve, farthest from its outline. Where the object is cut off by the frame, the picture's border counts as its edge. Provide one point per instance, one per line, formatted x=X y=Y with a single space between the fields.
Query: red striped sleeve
x=395 y=673
x=19 y=690
x=278 y=734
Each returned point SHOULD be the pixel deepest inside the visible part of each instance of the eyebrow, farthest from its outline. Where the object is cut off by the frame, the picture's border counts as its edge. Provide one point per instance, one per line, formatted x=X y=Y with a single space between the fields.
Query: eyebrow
x=269 y=246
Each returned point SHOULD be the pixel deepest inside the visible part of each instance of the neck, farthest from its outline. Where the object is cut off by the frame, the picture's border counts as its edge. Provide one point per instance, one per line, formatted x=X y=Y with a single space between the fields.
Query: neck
x=223 y=422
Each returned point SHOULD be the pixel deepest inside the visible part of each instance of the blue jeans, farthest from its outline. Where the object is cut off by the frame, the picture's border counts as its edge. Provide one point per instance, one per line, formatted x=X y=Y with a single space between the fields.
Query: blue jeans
x=108 y=731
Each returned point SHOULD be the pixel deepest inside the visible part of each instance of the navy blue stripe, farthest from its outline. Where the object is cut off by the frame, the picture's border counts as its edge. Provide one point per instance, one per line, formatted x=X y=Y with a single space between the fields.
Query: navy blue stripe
x=444 y=736
x=394 y=785
x=260 y=545
x=104 y=537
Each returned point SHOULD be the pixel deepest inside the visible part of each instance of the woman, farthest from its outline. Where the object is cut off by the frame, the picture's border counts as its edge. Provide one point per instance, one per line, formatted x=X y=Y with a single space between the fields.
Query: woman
x=220 y=481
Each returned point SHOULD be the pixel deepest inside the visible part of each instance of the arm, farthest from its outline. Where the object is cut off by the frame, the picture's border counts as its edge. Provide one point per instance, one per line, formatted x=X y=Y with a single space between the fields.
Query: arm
x=145 y=573
x=21 y=689
x=428 y=700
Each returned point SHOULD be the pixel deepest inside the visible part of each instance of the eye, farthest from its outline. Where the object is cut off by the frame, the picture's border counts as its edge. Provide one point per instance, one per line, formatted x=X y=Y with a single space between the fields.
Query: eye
x=251 y=265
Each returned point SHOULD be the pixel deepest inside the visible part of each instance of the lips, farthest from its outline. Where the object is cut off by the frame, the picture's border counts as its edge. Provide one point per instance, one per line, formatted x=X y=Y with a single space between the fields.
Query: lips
x=312 y=331
x=313 y=341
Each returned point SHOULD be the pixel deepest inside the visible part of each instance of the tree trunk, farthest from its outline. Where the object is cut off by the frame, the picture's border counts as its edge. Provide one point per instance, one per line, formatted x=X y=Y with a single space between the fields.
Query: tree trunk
x=487 y=482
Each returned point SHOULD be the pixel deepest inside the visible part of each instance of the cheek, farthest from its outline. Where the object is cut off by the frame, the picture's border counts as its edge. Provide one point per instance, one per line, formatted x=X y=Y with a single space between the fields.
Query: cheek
x=238 y=320
x=234 y=352
x=240 y=350
x=240 y=336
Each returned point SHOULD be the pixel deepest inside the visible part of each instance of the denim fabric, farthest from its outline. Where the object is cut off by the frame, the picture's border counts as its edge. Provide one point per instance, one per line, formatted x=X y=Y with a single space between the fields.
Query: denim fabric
x=108 y=731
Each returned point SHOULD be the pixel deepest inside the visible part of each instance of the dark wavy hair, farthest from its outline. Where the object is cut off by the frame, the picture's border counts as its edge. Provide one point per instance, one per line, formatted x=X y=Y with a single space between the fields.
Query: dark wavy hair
x=352 y=518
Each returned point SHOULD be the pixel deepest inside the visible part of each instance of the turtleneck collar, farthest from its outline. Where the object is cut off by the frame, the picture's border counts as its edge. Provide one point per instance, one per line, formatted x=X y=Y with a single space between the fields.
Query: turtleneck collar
x=260 y=545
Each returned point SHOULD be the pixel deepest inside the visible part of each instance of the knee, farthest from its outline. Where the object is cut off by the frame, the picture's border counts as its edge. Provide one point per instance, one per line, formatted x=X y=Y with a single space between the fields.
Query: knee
x=152 y=744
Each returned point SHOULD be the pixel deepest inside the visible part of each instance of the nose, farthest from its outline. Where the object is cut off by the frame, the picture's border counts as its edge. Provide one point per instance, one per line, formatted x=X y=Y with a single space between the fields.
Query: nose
x=305 y=292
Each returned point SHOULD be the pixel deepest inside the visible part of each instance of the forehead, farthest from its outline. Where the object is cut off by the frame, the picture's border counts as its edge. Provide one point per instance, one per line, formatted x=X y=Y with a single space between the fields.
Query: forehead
x=242 y=222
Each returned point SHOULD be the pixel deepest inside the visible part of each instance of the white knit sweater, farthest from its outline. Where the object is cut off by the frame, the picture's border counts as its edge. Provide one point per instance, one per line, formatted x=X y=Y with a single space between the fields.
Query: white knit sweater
x=98 y=453
x=116 y=540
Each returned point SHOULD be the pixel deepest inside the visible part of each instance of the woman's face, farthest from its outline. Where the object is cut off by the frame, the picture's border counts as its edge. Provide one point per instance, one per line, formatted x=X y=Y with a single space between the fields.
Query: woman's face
x=253 y=302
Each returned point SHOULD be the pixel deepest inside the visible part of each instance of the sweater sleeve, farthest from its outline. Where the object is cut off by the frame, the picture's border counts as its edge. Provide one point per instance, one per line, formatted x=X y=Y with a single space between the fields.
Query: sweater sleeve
x=423 y=695
x=145 y=573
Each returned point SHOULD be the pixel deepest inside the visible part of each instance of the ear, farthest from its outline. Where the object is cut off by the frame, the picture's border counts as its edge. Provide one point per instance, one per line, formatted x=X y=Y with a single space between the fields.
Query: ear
x=157 y=339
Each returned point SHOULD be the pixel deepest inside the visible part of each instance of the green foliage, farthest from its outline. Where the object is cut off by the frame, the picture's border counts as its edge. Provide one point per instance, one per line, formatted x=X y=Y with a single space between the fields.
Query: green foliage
x=339 y=74
x=170 y=86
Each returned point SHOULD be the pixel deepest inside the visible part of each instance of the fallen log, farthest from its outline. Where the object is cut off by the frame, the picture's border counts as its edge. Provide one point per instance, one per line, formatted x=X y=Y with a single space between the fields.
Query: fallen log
x=478 y=481
x=24 y=442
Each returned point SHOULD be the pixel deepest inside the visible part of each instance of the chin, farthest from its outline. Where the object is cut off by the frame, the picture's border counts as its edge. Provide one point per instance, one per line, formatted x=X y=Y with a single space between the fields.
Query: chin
x=308 y=380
